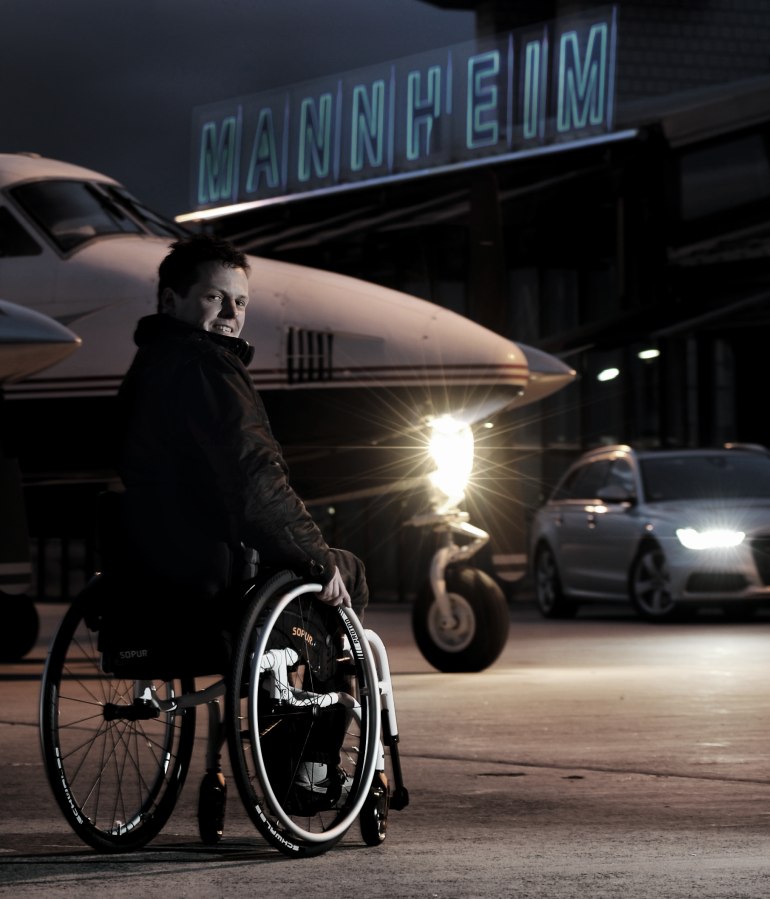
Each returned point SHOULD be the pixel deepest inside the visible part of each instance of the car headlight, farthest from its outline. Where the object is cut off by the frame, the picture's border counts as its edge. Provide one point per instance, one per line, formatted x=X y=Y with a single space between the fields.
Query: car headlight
x=451 y=448
x=716 y=538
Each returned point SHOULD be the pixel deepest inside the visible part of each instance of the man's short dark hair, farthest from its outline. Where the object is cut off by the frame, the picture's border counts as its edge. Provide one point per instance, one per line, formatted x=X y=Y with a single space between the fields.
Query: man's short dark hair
x=178 y=269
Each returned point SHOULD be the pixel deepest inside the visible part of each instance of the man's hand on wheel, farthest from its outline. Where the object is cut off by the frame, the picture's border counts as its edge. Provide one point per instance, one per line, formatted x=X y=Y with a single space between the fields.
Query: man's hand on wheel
x=335 y=592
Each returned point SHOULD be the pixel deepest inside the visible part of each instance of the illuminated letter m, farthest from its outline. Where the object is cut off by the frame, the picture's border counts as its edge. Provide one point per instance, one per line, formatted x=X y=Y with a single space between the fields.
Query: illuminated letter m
x=216 y=171
x=582 y=88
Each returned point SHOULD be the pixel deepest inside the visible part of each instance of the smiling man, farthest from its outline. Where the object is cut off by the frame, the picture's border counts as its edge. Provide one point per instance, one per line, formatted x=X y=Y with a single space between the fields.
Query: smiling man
x=205 y=480
x=216 y=301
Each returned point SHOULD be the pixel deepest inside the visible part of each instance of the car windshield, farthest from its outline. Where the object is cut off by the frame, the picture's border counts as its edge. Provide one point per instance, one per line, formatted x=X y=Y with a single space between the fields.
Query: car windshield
x=707 y=476
x=74 y=212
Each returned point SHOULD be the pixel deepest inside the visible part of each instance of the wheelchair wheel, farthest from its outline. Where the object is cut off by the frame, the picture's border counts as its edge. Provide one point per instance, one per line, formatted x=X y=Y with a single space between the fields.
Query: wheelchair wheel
x=303 y=718
x=115 y=764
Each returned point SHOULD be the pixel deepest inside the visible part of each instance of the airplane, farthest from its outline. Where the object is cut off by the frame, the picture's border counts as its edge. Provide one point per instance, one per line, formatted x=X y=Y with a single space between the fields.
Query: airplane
x=355 y=377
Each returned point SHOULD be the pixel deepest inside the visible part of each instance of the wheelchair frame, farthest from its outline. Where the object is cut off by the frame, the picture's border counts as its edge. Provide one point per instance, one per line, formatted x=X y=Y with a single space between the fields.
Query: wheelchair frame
x=105 y=736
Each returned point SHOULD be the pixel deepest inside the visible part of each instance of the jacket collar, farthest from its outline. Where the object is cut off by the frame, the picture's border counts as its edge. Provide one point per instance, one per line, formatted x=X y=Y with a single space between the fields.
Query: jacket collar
x=158 y=327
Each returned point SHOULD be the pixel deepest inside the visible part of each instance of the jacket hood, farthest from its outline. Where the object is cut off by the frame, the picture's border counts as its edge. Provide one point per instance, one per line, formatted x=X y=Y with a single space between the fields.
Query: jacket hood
x=161 y=327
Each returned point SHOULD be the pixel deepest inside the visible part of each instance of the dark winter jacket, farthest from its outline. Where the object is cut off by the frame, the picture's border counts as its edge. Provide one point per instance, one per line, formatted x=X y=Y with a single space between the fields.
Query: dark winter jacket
x=202 y=471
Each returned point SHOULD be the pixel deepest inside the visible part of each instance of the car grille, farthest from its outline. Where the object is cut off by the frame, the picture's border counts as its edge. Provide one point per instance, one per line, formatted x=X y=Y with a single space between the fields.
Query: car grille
x=760 y=547
x=716 y=582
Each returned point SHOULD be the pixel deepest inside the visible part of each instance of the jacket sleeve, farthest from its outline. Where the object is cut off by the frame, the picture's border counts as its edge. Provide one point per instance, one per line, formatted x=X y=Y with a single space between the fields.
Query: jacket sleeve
x=229 y=427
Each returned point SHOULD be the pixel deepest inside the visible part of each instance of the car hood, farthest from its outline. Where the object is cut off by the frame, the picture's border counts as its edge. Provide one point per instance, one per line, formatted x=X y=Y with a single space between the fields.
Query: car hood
x=749 y=515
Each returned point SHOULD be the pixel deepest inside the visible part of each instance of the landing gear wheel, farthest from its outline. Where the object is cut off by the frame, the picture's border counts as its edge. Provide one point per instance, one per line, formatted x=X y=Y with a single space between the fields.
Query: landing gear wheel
x=477 y=628
x=650 y=586
x=374 y=814
x=303 y=730
x=115 y=763
x=20 y=627
x=548 y=591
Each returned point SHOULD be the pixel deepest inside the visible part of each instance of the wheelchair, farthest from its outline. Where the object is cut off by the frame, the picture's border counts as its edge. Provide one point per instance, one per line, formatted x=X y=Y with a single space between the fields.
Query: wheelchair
x=308 y=714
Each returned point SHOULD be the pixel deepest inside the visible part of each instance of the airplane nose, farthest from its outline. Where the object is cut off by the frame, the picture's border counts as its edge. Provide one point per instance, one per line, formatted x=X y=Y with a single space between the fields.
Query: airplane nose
x=547 y=374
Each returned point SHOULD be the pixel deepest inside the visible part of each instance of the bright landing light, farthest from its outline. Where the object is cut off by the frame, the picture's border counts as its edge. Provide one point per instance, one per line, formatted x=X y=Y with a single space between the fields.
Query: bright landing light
x=451 y=448
x=716 y=539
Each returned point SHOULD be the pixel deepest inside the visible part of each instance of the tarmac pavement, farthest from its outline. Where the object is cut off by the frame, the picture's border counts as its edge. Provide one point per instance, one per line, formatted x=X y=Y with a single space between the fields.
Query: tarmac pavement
x=601 y=757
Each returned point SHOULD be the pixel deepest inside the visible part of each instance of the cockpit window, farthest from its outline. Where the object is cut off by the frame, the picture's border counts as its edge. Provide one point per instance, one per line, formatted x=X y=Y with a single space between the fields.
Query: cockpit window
x=74 y=212
x=153 y=222
x=14 y=238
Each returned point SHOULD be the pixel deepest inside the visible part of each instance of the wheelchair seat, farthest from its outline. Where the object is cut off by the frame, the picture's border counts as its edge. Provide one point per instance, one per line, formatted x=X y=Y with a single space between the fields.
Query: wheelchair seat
x=156 y=631
x=148 y=626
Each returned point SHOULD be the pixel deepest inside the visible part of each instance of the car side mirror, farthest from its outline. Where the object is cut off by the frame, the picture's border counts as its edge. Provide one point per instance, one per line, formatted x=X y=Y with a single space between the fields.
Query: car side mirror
x=614 y=493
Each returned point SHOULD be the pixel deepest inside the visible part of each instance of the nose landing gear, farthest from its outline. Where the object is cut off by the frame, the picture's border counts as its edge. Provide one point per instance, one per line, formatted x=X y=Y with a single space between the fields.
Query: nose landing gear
x=460 y=618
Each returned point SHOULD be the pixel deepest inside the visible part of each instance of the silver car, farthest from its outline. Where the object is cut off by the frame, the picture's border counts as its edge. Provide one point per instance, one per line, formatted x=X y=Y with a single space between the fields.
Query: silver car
x=667 y=529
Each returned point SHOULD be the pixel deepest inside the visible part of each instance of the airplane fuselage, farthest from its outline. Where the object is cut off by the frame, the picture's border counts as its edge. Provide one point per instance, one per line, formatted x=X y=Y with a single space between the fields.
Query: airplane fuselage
x=341 y=364
x=351 y=372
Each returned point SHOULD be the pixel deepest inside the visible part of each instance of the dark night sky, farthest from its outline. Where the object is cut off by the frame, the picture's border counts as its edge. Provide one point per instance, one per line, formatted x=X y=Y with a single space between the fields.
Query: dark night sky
x=111 y=84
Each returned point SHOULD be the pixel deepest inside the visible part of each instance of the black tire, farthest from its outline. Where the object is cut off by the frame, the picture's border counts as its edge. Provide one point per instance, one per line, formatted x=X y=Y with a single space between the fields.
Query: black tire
x=479 y=627
x=549 y=594
x=20 y=626
x=649 y=586
x=374 y=815
x=115 y=779
x=212 y=803
x=312 y=712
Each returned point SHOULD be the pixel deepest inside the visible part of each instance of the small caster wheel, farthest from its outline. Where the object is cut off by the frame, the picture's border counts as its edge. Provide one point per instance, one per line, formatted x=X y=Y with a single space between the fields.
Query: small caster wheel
x=212 y=800
x=374 y=814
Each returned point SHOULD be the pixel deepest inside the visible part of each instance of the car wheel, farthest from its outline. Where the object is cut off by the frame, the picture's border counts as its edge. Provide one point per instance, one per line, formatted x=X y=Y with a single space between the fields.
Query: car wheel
x=548 y=590
x=650 y=585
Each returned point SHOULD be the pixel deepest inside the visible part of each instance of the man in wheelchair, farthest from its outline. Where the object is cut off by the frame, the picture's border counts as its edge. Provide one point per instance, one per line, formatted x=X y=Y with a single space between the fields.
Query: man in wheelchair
x=203 y=474
x=206 y=485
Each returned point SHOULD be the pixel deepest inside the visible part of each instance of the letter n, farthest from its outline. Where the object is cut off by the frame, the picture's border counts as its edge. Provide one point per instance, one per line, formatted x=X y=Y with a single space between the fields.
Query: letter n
x=216 y=170
x=315 y=130
x=368 y=126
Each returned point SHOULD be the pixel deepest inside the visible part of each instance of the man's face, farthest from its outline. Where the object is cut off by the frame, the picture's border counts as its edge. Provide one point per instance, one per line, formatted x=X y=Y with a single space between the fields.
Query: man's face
x=216 y=302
